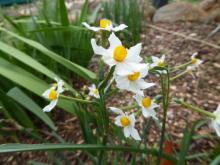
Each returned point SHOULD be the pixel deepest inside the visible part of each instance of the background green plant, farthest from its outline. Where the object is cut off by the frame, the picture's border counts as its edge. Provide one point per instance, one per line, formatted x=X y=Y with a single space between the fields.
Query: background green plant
x=129 y=12
x=21 y=62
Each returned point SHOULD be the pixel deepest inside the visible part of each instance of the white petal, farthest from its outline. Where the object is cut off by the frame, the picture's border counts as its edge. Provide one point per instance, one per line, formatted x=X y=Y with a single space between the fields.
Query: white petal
x=60 y=87
x=127 y=132
x=114 y=41
x=98 y=49
x=139 y=67
x=96 y=96
x=93 y=86
x=155 y=59
x=154 y=105
x=190 y=68
x=135 y=134
x=200 y=62
x=149 y=113
x=144 y=71
x=122 y=82
x=124 y=69
x=194 y=55
x=116 y=110
x=138 y=98
x=118 y=121
x=47 y=92
x=132 y=119
x=49 y=107
x=218 y=109
x=109 y=60
x=216 y=127
x=91 y=27
x=135 y=88
x=163 y=57
x=144 y=85
x=119 y=28
x=134 y=53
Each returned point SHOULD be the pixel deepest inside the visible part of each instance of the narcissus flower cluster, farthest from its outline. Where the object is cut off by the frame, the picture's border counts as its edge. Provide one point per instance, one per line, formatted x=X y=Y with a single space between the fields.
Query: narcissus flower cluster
x=129 y=74
x=128 y=71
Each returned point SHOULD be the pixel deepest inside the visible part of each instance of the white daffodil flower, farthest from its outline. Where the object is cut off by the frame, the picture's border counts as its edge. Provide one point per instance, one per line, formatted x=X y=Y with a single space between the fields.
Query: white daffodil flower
x=158 y=61
x=147 y=106
x=215 y=124
x=127 y=122
x=134 y=81
x=105 y=24
x=118 y=55
x=93 y=91
x=53 y=94
x=195 y=62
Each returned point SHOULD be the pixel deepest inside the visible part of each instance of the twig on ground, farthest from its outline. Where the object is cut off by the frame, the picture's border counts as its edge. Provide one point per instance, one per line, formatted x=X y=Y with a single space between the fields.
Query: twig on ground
x=214 y=31
x=184 y=36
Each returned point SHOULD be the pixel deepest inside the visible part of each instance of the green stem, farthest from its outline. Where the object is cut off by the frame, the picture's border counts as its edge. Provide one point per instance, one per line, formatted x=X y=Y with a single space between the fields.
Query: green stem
x=179 y=75
x=195 y=109
x=104 y=112
x=130 y=107
x=77 y=100
x=104 y=83
x=165 y=86
x=181 y=66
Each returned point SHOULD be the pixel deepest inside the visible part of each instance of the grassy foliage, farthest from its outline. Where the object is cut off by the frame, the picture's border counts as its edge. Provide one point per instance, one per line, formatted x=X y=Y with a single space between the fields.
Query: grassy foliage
x=36 y=49
x=129 y=12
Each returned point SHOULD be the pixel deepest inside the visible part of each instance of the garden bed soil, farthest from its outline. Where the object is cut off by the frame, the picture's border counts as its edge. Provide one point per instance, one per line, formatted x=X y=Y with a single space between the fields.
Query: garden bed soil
x=202 y=89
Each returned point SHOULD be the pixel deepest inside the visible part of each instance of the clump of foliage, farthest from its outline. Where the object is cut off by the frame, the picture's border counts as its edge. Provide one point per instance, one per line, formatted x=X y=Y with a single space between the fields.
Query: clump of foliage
x=129 y=12
x=107 y=131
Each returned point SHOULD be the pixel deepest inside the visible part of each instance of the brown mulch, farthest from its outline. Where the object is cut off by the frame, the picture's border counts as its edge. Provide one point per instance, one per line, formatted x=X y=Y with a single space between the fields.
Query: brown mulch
x=202 y=89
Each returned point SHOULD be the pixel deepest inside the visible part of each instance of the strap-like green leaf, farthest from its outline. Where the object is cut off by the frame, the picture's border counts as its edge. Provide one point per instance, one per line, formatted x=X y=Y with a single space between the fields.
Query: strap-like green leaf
x=30 y=82
x=63 y=13
x=31 y=62
x=19 y=96
x=14 y=111
x=5 y=148
x=188 y=133
x=216 y=161
x=81 y=71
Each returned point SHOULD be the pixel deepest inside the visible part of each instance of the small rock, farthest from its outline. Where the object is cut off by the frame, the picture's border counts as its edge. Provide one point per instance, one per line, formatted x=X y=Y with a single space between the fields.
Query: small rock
x=179 y=11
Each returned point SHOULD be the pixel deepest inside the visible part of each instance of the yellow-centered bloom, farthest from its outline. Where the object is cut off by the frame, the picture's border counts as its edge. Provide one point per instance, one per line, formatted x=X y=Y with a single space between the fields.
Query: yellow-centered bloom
x=195 y=62
x=134 y=82
x=52 y=94
x=105 y=24
x=127 y=122
x=147 y=106
x=93 y=91
x=158 y=61
x=124 y=59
